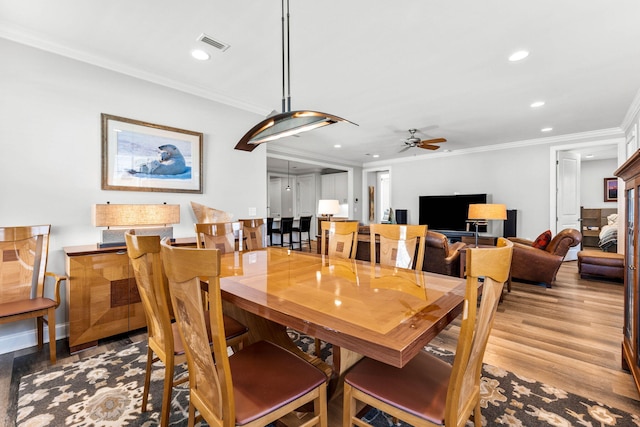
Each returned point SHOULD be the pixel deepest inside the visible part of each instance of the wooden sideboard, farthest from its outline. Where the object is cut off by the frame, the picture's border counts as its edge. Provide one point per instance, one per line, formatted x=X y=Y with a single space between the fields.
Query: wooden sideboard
x=102 y=295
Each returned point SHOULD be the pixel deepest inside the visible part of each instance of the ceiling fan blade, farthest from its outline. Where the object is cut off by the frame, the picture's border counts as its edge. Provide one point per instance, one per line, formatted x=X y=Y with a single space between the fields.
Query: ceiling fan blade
x=404 y=149
x=428 y=146
x=433 y=141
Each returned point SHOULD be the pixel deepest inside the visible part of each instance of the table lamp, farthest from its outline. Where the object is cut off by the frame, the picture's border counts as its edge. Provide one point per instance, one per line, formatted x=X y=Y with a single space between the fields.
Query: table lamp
x=480 y=214
x=146 y=219
x=328 y=207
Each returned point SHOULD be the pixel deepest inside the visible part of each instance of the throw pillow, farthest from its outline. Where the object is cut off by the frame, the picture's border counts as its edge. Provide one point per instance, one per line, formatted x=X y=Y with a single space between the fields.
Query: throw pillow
x=543 y=240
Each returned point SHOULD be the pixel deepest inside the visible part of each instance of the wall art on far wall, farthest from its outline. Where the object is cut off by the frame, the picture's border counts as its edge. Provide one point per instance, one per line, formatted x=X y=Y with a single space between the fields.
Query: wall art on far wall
x=140 y=156
x=610 y=189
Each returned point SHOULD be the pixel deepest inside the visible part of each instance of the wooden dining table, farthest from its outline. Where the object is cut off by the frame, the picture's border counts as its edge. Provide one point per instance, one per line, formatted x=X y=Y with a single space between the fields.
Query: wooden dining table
x=385 y=313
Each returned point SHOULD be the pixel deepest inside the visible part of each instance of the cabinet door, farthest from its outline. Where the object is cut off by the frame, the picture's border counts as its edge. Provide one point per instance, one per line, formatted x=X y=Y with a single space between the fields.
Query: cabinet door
x=102 y=296
x=340 y=186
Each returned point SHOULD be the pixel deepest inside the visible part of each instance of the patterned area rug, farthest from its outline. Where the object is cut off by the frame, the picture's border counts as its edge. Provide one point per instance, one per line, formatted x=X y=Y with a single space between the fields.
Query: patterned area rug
x=106 y=390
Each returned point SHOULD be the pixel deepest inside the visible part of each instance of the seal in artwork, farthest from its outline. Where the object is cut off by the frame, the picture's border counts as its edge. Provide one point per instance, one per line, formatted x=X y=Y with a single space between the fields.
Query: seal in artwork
x=170 y=162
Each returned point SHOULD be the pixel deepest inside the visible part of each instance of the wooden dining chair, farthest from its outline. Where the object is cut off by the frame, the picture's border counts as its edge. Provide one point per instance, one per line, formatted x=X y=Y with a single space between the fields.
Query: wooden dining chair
x=253 y=387
x=339 y=239
x=23 y=272
x=398 y=245
x=285 y=229
x=219 y=235
x=428 y=391
x=253 y=232
x=163 y=337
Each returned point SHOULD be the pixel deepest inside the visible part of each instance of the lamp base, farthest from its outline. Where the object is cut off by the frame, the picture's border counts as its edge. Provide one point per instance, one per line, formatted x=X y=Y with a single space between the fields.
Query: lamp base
x=115 y=237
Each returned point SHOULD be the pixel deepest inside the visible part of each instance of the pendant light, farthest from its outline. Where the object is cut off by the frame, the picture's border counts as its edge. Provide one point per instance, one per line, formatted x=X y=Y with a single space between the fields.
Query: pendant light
x=288 y=122
x=288 y=181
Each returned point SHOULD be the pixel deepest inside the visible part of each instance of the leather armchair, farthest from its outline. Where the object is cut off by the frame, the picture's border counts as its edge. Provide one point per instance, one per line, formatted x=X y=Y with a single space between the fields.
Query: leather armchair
x=541 y=265
x=440 y=256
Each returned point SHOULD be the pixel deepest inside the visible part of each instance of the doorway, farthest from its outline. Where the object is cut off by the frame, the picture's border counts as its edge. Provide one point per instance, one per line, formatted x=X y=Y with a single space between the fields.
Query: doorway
x=610 y=148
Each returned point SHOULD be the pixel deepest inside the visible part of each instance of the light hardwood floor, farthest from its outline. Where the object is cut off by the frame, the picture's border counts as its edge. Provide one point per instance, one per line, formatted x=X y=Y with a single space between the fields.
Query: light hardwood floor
x=568 y=336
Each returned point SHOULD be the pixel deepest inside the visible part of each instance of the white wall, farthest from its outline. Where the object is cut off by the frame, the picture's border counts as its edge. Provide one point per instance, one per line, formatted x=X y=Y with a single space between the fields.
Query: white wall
x=517 y=177
x=592 y=177
x=50 y=141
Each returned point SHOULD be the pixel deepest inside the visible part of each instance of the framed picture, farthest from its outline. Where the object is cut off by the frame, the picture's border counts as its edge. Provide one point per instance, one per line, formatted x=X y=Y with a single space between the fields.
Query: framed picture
x=610 y=189
x=140 y=156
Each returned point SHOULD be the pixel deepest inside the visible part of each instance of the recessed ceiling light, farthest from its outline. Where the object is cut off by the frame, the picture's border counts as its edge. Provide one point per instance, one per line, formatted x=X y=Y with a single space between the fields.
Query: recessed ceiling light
x=546 y=129
x=537 y=104
x=376 y=155
x=200 y=55
x=589 y=156
x=337 y=146
x=518 y=56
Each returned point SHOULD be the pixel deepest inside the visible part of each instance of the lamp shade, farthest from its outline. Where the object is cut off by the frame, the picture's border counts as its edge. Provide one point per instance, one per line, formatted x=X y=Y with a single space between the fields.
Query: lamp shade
x=328 y=207
x=487 y=211
x=109 y=215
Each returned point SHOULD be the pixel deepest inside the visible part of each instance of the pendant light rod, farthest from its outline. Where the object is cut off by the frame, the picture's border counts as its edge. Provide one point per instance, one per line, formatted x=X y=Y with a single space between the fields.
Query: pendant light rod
x=286 y=73
x=288 y=122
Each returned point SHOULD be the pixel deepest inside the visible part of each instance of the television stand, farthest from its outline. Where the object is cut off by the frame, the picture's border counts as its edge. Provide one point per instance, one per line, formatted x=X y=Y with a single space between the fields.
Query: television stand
x=468 y=237
x=456 y=235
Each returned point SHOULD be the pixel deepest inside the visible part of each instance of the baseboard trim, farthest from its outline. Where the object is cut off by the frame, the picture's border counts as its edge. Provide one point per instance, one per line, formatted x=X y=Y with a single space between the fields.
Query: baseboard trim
x=29 y=338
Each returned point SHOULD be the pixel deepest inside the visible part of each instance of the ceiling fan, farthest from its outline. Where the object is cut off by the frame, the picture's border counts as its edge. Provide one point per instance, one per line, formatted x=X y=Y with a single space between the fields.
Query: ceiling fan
x=414 y=141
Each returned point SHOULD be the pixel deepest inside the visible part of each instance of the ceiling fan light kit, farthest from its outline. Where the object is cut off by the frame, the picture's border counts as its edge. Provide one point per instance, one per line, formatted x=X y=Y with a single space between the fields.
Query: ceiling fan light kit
x=288 y=122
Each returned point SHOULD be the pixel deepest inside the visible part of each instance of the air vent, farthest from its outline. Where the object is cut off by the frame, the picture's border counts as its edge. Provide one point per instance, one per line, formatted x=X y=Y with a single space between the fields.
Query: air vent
x=213 y=42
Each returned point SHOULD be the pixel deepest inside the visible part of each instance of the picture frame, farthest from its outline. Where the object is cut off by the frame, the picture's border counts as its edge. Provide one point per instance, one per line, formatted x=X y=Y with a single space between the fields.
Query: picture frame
x=142 y=156
x=610 y=189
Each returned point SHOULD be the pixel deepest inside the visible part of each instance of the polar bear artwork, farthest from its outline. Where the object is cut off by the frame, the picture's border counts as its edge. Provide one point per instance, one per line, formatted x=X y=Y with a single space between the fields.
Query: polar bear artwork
x=171 y=162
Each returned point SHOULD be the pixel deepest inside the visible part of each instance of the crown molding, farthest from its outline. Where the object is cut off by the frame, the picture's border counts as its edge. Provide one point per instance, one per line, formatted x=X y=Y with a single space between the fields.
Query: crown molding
x=632 y=112
x=600 y=134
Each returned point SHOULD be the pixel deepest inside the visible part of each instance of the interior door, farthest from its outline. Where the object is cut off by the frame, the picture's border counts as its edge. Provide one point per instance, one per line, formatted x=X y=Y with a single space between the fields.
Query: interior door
x=568 y=196
x=275 y=197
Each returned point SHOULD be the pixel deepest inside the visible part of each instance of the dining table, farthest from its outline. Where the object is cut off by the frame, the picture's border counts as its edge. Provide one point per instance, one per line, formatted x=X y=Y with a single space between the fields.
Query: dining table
x=385 y=313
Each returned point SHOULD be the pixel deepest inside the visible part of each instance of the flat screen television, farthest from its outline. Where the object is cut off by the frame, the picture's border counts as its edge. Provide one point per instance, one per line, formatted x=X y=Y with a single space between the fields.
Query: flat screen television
x=449 y=212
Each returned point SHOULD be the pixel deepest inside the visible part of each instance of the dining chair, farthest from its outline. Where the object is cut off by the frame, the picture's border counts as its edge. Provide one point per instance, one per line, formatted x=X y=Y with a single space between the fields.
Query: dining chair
x=163 y=337
x=270 y=230
x=23 y=264
x=252 y=231
x=339 y=239
x=304 y=226
x=285 y=229
x=253 y=387
x=428 y=391
x=219 y=235
x=398 y=245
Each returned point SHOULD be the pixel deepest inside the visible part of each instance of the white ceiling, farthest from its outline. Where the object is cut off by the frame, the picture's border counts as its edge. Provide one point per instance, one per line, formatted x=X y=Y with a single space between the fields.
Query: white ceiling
x=437 y=66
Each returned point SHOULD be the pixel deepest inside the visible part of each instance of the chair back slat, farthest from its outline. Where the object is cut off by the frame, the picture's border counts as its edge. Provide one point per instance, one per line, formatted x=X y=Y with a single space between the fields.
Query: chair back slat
x=342 y=239
x=492 y=266
x=210 y=383
x=401 y=246
x=144 y=256
x=219 y=235
x=23 y=262
x=253 y=233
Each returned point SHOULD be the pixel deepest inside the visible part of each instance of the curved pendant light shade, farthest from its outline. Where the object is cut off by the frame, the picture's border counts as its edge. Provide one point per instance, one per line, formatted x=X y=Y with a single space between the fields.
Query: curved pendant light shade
x=285 y=124
x=288 y=122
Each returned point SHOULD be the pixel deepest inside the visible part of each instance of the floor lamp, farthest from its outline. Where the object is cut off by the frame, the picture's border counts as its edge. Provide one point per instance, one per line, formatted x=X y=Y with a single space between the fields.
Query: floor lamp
x=480 y=214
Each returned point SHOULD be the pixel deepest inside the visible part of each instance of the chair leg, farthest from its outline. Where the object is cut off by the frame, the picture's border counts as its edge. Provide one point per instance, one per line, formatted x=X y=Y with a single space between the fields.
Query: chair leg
x=51 y=322
x=166 y=392
x=40 y=330
x=147 y=380
x=477 y=415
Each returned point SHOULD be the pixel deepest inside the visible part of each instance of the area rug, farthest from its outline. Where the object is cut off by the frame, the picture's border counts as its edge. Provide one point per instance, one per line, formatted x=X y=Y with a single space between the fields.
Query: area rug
x=106 y=390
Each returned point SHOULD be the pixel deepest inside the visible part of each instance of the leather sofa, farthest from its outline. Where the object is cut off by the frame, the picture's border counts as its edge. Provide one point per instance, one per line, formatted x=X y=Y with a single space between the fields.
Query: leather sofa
x=439 y=256
x=541 y=265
